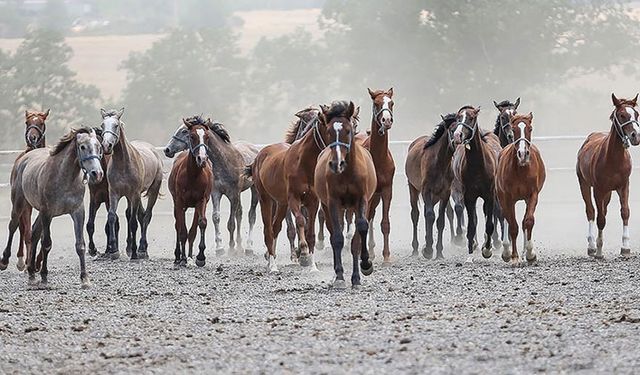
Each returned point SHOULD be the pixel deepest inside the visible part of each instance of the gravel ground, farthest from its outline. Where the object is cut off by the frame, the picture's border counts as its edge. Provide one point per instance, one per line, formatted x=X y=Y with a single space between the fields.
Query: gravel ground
x=566 y=313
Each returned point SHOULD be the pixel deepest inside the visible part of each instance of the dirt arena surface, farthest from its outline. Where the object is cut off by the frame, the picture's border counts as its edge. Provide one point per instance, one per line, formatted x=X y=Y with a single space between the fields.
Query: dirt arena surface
x=566 y=313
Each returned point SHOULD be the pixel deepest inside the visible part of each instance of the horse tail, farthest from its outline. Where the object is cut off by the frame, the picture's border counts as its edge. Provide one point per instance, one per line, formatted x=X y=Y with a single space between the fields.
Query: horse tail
x=247 y=171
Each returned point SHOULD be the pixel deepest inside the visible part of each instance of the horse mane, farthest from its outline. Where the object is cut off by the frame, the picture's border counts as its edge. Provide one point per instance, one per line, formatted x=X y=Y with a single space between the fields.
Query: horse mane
x=111 y=112
x=440 y=129
x=68 y=138
x=292 y=131
x=216 y=127
x=337 y=109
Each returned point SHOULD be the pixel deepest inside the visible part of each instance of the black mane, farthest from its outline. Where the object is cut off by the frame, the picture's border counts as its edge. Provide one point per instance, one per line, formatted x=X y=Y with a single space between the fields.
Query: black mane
x=440 y=129
x=215 y=127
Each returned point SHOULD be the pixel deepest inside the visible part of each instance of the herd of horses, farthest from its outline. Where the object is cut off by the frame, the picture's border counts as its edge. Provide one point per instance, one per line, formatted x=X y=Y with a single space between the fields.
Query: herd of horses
x=325 y=169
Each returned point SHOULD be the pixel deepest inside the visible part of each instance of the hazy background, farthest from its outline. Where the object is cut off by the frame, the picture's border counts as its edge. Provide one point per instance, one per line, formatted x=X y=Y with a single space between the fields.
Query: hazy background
x=252 y=64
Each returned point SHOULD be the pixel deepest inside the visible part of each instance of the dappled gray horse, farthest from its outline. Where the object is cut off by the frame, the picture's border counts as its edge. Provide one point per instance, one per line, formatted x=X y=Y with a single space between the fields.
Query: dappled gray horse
x=52 y=182
x=134 y=169
x=228 y=162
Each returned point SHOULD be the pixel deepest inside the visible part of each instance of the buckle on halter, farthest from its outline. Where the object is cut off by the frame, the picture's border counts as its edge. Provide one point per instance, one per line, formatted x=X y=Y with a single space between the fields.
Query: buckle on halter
x=626 y=143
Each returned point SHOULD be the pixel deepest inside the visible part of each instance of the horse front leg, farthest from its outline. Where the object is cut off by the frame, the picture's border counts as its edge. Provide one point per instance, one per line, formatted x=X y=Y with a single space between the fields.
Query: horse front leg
x=488 y=207
x=193 y=231
x=93 y=209
x=602 y=201
x=112 y=217
x=623 y=194
x=585 y=190
x=215 y=217
x=231 y=223
x=291 y=236
x=311 y=203
x=152 y=197
x=36 y=234
x=132 y=223
x=527 y=226
x=178 y=211
x=510 y=253
x=470 y=205
x=280 y=213
x=25 y=238
x=362 y=226
x=321 y=224
x=373 y=204
x=266 y=210
x=337 y=243
x=385 y=225
x=429 y=219
x=442 y=208
x=458 y=208
x=181 y=230
x=498 y=218
x=295 y=205
x=415 y=216
x=201 y=213
x=239 y=247
x=78 y=223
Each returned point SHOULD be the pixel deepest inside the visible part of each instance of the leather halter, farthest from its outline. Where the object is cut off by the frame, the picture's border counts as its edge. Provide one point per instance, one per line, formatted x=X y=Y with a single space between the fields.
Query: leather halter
x=618 y=126
x=41 y=134
x=338 y=143
x=192 y=149
x=377 y=114
x=473 y=127
x=82 y=160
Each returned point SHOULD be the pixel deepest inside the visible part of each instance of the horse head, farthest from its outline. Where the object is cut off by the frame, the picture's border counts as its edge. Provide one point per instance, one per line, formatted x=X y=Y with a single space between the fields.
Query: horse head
x=625 y=120
x=111 y=128
x=35 y=128
x=522 y=129
x=506 y=110
x=382 y=109
x=338 y=123
x=465 y=126
x=89 y=152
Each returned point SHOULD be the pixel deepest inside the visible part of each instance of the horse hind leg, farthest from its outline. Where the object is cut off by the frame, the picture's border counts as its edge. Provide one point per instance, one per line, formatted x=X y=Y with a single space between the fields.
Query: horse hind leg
x=527 y=226
x=602 y=201
x=320 y=242
x=440 y=224
x=291 y=236
x=201 y=214
x=458 y=208
x=14 y=223
x=193 y=231
x=497 y=219
x=375 y=200
x=215 y=217
x=252 y=220
x=152 y=198
x=488 y=208
x=415 y=216
x=25 y=239
x=78 y=221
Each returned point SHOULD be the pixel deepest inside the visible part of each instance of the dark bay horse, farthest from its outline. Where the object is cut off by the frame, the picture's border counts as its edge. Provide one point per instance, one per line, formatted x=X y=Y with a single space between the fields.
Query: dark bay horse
x=34 y=136
x=429 y=174
x=52 y=182
x=228 y=161
x=520 y=176
x=134 y=169
x=378 y=144
x=474 y=167
x=503 y=129
x=604 y=166
x=190 y=183
x=345 y=178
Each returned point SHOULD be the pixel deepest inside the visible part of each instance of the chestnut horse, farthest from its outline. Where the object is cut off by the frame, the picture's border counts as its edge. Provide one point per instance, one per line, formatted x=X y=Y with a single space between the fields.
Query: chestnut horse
x=474 y=168
x=34 y=136
x=604 y=165
x=428 y=170
x=345 y=178
x=520 y=176
x=378 y=145
x=190 y=183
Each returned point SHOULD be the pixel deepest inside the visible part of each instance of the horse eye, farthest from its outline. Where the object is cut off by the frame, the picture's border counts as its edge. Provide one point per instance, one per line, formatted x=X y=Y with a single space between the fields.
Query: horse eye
x=82 y=147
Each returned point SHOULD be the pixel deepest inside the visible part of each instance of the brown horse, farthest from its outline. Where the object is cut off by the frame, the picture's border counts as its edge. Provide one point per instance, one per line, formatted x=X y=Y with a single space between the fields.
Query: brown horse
x=52 y=182
x=474 y=168
x=345 y=178
x=428 y=170
x=34 y=136
x=378 y=144
x=520 y=176
x=190 y=183
x=604 y=165
x=135 y=168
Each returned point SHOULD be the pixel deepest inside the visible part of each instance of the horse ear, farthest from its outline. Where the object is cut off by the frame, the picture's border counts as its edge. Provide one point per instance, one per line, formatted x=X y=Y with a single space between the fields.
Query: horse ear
x=390 y=92
x=351 y=110
x=187 y=124
x=496 y=105
x=120 y=113
x=300 y=113
x=356 y=113
x=517 y=103
x=530 y=116
x=635 y=100
x=103 y=113
x=371 y=93
x=46 y=114
x=616 y=101
x=476 y=110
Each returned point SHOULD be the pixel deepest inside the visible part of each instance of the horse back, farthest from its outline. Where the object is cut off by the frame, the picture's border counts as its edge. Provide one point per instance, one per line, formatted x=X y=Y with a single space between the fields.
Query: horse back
x=151 y=163
x=412 y=165
x=268 y=171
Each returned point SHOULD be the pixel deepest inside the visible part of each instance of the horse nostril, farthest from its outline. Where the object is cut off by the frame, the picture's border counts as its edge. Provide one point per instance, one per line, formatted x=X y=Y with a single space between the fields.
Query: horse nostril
x=342 y=163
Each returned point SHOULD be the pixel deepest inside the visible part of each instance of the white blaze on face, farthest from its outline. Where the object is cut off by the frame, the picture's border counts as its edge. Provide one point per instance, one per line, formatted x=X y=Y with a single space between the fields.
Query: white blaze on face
x=110 y=124
x=201 y=150
x=522 y=143
x=633 y=117
x=386 y=111
x=337 y=126
x=458 y=132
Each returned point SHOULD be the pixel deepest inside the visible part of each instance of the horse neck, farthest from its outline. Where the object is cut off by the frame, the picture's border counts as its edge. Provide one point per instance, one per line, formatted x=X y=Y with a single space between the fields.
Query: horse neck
x=123 y=150
x=476 y=151
x=615 y=148
x=309 y=144
x=66 y=164
x=193 y=169
x=445 y=152
x=504 y=142
x=379 y=144
x=226 y=160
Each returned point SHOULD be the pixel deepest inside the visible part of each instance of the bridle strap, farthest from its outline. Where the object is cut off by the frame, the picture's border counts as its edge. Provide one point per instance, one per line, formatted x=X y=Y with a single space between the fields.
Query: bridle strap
x=339 y=143
x=376 y=115
x=41 y=134
x=618 y=126
x=473 y=127
x=112 y=133
x=82 y=160
x=193 y=150
x=317 y=137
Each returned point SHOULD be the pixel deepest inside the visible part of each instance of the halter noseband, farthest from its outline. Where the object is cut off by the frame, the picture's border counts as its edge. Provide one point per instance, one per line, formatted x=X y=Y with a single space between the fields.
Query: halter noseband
x=192 y=149
x=106 y=131
x=338 y=143
x=618 y=126
x=40 y=135
x=503 y=126
x=473 y=127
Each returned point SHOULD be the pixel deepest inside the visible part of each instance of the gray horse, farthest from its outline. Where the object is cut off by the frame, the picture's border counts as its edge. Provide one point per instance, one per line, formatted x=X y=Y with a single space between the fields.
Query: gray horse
x=228 y=162
x=52 y=182
x=134 y=169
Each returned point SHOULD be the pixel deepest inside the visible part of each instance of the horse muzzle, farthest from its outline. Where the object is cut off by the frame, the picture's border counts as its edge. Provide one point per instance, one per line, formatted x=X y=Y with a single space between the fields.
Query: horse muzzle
x=337 y=167
x=169 y=152
x=201 y=161
x=95 y=176
x=107 y=147
x=524 y=157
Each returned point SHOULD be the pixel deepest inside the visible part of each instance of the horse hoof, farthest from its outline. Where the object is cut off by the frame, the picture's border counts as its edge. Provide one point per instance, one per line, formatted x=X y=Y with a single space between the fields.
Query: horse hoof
x=599 y=256
x=591 y=252
x=220 y=251
x=427 y=253
x=415 y=253
x=248 y=252
x=532 y=259
x=367 y=269
x=113 y=255
x=320 y=245
x=439 y=256
x=200 y=263
x=20 y=265
x=3 y=266
x=143 y=255
x=497 y=244
x=85 y=283
x=305 y=260
x=506 y=256
x=356 y=287
x=92 y=252
x=339 y=284
x=487 y=252
x=625 y=252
